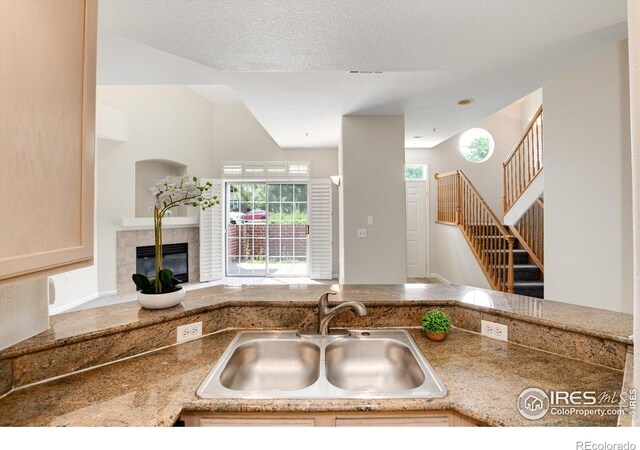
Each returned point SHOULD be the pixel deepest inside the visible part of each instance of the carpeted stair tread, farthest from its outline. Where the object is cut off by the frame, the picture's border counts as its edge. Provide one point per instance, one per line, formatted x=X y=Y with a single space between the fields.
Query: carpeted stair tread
x=521 y=266
x=528 y=284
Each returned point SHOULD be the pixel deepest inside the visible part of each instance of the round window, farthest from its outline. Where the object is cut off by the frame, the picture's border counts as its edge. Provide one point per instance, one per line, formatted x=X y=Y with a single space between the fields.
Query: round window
x=476 y=145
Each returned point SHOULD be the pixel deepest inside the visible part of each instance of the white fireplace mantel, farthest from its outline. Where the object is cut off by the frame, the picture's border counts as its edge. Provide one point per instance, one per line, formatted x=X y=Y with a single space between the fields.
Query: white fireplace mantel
x=146 y=223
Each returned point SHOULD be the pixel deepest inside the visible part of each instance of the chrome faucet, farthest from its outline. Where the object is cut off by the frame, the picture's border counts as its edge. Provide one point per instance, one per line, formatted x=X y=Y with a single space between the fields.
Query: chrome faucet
x=326 y=314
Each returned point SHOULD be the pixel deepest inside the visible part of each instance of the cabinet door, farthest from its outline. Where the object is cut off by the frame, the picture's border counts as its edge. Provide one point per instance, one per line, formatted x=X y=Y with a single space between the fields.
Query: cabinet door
x=47 y=135
x=430 y=421
x=399 y=419
x=253 y=422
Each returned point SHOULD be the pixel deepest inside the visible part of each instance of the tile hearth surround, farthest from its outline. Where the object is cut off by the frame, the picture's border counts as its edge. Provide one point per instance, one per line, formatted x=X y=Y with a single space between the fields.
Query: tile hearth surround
x=128 y=240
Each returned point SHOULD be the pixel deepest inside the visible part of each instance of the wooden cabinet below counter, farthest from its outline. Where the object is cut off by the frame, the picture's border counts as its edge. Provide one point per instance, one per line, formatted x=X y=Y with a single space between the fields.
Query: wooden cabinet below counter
x=47 y=136
x=329 y=419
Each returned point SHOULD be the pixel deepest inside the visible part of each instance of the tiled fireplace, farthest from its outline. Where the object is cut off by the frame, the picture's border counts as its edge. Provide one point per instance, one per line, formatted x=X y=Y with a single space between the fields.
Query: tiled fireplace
x=129 y=240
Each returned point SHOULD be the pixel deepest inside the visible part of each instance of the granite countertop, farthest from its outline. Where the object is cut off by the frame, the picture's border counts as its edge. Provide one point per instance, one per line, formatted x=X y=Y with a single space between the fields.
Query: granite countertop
x=77 y=326
x=484 y=378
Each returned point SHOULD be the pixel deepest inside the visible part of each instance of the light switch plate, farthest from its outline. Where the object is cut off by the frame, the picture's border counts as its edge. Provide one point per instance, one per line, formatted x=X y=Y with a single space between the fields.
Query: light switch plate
x=362 y=232
x=369 y=220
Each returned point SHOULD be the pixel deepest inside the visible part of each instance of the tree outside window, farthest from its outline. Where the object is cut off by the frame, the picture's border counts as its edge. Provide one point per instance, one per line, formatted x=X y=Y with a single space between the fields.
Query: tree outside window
x=415 y=172
x=476 y=145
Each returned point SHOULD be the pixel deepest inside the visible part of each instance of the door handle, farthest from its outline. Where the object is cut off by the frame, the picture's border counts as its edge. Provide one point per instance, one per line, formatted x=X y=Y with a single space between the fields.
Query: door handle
x=306 y=229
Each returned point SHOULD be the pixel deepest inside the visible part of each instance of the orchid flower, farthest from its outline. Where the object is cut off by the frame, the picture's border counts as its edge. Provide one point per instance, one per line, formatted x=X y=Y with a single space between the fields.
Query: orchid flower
x=170 y=192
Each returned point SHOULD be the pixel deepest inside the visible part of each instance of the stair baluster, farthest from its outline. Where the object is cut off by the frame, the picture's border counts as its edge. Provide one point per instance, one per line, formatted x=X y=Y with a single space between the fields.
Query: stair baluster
x=460 y=204
x=523 y=164
x=529 y=230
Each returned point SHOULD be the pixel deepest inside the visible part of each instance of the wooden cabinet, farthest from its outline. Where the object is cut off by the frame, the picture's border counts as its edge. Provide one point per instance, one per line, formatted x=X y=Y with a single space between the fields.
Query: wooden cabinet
x=47 y=135
x=399 y=419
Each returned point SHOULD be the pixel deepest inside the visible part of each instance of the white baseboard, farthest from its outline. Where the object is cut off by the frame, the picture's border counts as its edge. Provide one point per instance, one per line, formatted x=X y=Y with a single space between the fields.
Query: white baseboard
x=53 y=309
x=440 y=278
x=62 y=308
x=106 y=293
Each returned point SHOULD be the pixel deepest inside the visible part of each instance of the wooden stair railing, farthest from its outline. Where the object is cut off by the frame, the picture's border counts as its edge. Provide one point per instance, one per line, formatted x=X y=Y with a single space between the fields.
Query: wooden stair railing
x=529 y=230
x=460 y=203
x=448 y=198
x=523 y=164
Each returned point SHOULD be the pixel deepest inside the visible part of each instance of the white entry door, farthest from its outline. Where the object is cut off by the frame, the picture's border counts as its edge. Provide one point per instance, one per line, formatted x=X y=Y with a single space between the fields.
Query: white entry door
x=417 y=196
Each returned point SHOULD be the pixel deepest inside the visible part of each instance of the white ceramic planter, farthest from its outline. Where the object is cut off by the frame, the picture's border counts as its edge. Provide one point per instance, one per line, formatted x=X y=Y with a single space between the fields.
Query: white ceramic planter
x=161 y=301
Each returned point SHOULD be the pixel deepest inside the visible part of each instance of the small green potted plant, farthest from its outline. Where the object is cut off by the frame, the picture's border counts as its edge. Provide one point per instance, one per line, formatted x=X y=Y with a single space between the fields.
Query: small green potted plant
x=436 y=324
x=163 y=290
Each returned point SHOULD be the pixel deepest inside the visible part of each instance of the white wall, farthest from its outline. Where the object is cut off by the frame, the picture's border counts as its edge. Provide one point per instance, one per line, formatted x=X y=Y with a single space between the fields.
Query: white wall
x=239 y=136
x=588 y=239
x=529 y=106
x=634 y=91
x=371 y=156
x=111 y=123
x=165 y=122
x=74 y=288
x=449 y=254
x=24 y=311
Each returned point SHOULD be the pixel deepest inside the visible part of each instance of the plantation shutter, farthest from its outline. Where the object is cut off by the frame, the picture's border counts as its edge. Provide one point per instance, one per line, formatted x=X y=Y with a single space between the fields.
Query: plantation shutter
x=320 y=230
x=212 y=236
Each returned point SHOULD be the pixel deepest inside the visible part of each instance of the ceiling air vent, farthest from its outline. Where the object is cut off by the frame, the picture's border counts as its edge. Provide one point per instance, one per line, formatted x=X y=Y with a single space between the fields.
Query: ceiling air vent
x=366 y=71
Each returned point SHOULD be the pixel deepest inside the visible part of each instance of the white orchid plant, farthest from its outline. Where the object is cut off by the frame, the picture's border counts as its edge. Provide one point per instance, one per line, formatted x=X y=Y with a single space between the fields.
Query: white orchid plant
x=170 y=192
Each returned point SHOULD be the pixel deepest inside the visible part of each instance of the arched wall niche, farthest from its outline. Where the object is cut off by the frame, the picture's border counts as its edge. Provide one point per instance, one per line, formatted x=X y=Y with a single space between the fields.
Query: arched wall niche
x=148 y=173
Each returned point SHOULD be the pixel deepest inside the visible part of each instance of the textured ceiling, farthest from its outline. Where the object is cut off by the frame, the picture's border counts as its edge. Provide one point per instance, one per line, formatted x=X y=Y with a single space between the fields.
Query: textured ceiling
x=289 y=60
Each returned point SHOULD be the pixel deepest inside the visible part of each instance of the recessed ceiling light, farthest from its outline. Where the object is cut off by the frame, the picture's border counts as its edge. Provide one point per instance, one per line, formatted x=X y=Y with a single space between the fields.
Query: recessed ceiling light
x=465 y=101
x=417 y=137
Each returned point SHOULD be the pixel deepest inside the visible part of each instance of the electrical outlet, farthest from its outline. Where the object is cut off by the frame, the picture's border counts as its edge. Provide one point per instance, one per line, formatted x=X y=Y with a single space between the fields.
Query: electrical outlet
x=67 y=279
x=362 y=232
x=190 y=331
x=494 y=330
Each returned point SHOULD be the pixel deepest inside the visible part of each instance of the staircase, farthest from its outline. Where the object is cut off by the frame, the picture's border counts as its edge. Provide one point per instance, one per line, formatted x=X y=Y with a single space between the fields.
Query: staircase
x=523 y=164
x=527 y=277
x=511 y=257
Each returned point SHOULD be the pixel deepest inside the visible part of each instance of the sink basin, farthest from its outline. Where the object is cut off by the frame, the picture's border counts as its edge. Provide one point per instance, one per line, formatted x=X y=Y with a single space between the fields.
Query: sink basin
x=372 y=365
x=360 y=364
x=266 y=365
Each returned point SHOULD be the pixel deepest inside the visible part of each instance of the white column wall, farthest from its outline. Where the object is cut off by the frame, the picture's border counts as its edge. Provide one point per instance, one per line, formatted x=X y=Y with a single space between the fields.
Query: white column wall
x=588 y=226
x=371 y=158
x=634 y=88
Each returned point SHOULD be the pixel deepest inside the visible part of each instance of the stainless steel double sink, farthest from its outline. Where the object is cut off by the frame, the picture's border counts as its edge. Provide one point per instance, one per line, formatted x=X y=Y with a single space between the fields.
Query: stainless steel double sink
x=282 y=364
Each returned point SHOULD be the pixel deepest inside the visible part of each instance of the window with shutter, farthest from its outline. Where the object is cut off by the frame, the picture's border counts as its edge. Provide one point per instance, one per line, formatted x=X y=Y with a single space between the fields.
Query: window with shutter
x=320 y=230
x=212 y=236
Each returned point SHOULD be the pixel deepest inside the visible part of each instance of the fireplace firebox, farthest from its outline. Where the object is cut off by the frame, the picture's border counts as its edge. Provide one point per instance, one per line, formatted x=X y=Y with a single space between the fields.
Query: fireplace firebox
x=174 y=257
